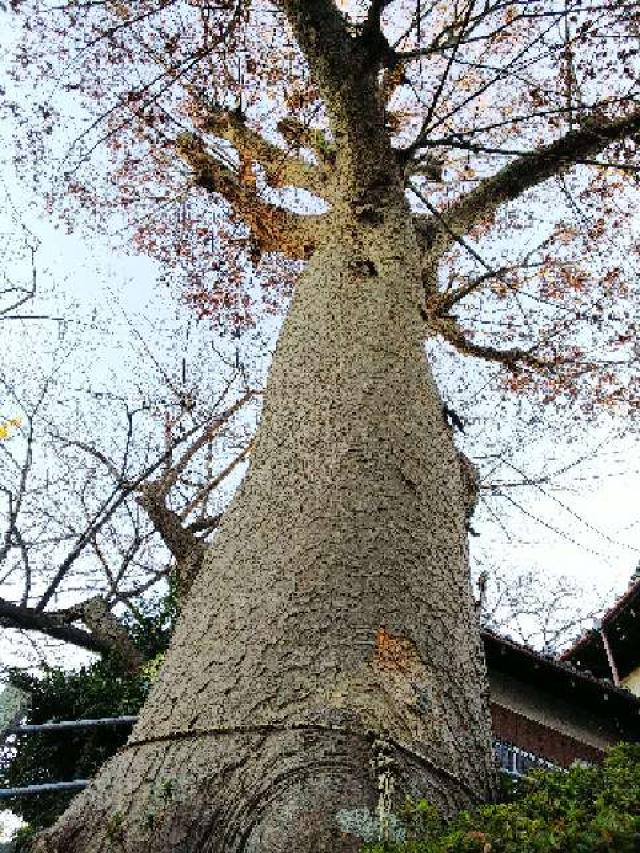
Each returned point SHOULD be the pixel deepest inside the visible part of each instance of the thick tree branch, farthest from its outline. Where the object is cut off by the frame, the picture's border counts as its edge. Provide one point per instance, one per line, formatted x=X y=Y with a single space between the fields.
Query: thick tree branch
x=525 y=172
x=272 y=228
x=124 y=489
x=324 y=39
x=374 y=15
x=281 y=169
x=178 y=539
x=348 y=81
x=54 y=625
x=187 y=549
x=518 y=152
x=206 y=524
x=106 y=630
x=428 y=166
x=373 y=40
x=15 y=616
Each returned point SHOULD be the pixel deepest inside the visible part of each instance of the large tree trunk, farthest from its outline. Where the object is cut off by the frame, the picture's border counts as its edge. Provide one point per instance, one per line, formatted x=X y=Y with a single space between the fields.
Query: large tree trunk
x=330 y=641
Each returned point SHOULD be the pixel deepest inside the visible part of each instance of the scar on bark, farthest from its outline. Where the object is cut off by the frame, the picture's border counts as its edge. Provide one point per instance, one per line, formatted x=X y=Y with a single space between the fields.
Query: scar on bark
x=470 y=478
x=394 y=653
x=405 y=675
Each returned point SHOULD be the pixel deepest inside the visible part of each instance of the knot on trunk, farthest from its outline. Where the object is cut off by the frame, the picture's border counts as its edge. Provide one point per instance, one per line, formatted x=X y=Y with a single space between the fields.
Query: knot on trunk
x=470 y=478
x=107 y=630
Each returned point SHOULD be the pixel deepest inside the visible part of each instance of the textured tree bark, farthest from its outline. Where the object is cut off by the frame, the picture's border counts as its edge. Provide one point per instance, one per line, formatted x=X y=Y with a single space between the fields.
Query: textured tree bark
x=330 y=637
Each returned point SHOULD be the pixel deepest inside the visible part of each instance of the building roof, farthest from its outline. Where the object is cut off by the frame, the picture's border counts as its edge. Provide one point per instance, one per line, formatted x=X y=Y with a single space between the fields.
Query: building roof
x=621 y=624
x=562 y=679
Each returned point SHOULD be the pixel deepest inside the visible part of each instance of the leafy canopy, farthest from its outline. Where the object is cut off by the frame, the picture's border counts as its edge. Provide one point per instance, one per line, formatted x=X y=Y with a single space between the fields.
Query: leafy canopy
x=211 y=135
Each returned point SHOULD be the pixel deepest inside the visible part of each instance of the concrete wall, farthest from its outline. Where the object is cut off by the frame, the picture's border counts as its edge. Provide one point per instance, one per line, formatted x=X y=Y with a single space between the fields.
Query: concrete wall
x=632 y=681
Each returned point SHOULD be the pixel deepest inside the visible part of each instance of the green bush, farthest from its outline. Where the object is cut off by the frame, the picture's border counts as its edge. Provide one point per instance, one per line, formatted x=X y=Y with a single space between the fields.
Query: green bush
x=582 y=810
x=101 y=689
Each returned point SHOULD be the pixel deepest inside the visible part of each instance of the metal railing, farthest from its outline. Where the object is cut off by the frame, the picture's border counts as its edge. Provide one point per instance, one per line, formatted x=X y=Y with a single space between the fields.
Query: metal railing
x=63 y=725
x=509 y=757
x=52 y=728
x=517 y=761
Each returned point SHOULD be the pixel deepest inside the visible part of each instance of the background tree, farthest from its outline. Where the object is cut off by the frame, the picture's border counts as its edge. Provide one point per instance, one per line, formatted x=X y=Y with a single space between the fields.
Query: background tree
x=546 y=614
x=95 y=481
x=352 y=431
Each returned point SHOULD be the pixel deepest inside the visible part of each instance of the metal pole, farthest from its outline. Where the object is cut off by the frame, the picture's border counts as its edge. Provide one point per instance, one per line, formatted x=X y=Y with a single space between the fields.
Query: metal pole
x=33 y=790
x=71 y=724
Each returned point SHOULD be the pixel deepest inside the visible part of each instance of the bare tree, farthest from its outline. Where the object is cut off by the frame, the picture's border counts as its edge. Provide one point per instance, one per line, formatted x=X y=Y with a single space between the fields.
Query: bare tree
x=99 y=509
x=541 y=612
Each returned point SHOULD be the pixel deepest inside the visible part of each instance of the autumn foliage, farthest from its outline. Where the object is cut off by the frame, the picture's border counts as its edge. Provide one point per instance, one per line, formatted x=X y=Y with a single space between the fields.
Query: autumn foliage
x=200 y=138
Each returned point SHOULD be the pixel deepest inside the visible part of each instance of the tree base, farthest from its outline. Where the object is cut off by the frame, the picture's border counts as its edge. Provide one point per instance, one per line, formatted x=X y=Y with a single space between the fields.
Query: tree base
x=304 y=790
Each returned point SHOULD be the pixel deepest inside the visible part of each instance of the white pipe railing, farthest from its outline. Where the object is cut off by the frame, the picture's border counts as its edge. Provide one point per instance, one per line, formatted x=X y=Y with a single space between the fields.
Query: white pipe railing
x=508 y=756
x=517 y=761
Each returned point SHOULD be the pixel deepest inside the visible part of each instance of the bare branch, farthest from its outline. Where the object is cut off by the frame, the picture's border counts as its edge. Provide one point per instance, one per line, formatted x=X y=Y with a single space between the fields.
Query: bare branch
x=273 y=229
x=592 y=137
x=102 y=516
x=441 y=303
x=513 y=359
x=26 y=294
x=170 y=478
x=216 y=481
x=281 y=169
x=92 y=451
x=53 y=625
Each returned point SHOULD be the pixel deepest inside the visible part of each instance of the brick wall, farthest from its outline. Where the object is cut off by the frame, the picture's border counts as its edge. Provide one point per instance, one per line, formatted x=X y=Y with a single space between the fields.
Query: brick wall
x=542 y=740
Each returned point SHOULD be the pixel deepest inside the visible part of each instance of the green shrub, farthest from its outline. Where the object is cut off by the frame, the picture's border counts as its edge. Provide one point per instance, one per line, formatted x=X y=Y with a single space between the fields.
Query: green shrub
x=582 y=810
x=100 y=689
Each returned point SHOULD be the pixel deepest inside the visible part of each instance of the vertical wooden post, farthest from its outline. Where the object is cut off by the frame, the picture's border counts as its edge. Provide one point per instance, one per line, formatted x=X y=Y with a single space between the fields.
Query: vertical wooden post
x=610 y=659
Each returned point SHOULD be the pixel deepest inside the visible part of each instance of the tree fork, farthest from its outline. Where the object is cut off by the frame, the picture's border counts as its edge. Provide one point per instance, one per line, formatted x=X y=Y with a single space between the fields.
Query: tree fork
x=333 y=617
